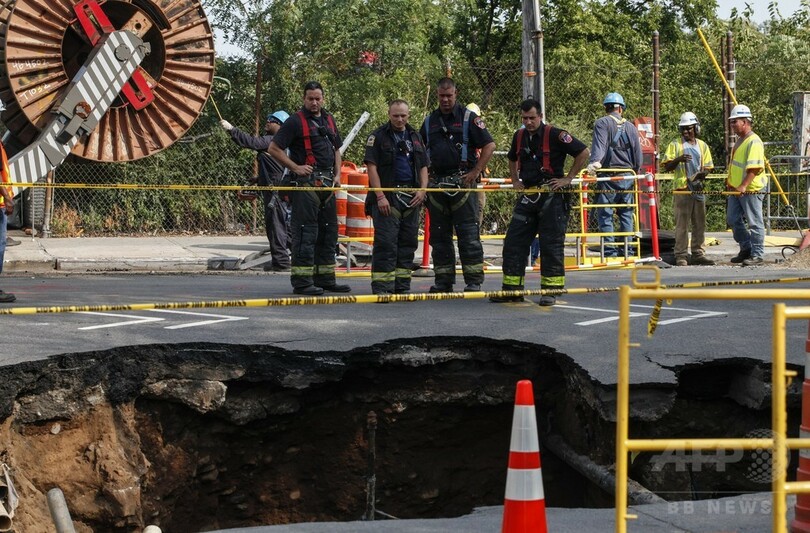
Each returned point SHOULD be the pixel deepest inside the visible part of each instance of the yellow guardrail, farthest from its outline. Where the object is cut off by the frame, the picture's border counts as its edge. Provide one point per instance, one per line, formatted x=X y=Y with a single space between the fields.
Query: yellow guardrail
x=779 y=444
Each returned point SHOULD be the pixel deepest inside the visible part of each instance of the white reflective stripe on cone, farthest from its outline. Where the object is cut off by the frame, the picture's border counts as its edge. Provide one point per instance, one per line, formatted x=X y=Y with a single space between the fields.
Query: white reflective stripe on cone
x=524 y=485
x=524 y=430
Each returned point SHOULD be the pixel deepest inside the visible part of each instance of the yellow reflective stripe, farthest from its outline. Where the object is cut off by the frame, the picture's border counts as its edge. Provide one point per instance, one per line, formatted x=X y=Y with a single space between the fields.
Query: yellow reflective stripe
x=325 y=269
x=302 y=271
x=451 y=269
x=472 y=269
x=382 y=276
x=552 y=281
x=403 y=273
x=513 y=280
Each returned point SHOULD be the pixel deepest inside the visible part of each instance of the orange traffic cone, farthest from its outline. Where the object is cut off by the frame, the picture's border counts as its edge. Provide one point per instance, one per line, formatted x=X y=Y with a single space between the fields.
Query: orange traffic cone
x=524 y=506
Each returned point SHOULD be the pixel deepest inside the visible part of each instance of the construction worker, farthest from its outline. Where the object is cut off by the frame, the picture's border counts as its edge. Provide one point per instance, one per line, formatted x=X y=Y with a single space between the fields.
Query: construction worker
x=452 y=134
x=6 y=208
x=690 y=159
x=395 y=157
x=615 y=145
x=746 y=176
x=276 y=222
x=536 y=159
x=314 y=161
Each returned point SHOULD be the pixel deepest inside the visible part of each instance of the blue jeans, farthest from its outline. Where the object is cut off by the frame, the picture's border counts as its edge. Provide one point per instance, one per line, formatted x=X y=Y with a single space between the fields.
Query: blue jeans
x=742 y=208
x=614 y=192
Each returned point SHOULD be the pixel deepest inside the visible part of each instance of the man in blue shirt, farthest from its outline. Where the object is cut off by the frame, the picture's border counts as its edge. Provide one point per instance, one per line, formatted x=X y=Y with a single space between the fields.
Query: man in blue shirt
x=615 y=145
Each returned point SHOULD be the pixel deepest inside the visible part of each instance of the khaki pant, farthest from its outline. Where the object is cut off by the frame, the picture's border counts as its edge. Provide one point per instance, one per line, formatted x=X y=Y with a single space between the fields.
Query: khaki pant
x=689 y=211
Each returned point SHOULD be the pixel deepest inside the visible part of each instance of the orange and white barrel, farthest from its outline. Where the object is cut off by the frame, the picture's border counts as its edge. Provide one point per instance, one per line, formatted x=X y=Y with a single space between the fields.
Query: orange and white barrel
x=357 y=223
x=342 y=197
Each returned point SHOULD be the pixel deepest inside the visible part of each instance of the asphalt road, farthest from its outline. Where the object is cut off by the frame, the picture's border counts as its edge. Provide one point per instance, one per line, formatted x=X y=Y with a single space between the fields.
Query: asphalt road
x=583 y=326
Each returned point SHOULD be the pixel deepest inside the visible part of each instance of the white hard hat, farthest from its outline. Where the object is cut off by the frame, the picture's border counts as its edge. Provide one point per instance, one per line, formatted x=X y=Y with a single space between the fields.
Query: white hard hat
x=688 y=119
x=740 y=111
x=474 y=108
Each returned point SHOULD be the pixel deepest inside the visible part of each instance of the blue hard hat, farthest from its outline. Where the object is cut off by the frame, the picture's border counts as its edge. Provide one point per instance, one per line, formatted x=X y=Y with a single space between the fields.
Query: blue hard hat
x=281 y=116
x=615 y=99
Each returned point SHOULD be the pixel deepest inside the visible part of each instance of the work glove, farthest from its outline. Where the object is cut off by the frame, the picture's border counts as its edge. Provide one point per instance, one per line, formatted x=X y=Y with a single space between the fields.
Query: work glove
x=227 y=126
x=593 y=167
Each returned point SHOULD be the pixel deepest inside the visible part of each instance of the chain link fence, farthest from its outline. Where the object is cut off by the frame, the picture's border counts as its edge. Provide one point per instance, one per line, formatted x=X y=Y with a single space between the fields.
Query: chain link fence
x=182 y=185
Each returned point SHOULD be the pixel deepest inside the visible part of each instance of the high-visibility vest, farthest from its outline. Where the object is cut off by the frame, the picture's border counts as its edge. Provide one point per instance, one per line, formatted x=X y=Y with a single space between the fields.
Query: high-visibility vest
x=749 y=153
x=675 y=150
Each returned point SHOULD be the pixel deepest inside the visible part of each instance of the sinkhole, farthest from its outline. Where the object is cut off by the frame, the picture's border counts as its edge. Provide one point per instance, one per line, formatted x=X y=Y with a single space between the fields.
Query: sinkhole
x=197 y=437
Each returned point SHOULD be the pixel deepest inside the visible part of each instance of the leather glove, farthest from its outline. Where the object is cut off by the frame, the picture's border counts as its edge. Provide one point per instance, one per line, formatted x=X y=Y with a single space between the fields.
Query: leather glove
x=593 y=167
x=227 y=126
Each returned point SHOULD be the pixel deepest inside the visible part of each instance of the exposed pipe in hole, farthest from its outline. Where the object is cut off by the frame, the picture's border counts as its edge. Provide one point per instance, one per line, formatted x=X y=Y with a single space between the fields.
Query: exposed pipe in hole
x=598 y=474
x=59 y=511
x=371 y=465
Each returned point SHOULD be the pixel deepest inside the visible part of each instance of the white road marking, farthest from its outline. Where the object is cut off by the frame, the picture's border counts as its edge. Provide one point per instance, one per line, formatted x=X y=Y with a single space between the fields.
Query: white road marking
x=137 y=320
x=220 y=318
x=698 y=314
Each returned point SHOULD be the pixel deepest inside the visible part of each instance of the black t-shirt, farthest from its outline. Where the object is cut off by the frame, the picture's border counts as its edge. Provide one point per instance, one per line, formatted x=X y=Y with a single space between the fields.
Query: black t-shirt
x=324 y=140
x=561 y=143
x=446 y=136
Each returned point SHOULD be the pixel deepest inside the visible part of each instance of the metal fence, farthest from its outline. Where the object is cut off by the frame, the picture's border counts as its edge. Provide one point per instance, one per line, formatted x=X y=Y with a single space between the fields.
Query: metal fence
x=90 y=198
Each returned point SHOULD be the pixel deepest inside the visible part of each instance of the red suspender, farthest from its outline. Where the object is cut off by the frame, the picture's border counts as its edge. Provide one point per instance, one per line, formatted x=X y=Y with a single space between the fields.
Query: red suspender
x=310 y=160
x=547 y=149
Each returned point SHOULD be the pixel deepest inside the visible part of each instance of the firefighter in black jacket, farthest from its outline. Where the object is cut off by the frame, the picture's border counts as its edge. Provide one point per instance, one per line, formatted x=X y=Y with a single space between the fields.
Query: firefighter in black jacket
x=536 y=159
x=452 y=134
x=395 y=158
x=276 y=222
x=314 y=143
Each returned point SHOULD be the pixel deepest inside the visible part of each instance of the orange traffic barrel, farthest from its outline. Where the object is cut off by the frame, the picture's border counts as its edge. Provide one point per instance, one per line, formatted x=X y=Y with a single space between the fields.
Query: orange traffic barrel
x=342 y=197
x=357 y=223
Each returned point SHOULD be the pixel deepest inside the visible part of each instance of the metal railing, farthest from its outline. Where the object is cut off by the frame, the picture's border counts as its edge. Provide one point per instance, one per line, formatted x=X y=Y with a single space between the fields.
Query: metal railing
x=779 y=444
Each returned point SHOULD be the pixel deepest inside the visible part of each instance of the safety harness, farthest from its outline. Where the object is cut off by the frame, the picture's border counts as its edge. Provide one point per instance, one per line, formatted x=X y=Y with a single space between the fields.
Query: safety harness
x=465 y=134
x=546 y=148
x=310 y=160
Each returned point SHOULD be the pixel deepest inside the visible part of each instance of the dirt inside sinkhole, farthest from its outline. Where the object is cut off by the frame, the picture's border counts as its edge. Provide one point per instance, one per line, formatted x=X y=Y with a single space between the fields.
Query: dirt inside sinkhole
x=198 y=437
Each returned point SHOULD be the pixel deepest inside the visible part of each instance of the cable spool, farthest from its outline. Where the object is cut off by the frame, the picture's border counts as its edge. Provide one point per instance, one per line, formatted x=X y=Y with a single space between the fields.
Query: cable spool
x=42 y=46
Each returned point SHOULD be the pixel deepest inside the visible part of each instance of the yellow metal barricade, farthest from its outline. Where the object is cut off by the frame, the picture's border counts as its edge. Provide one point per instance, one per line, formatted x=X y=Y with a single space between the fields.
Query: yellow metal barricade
x=779 y=444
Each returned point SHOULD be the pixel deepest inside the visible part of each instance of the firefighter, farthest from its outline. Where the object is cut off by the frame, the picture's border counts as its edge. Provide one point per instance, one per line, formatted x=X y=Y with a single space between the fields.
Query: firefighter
x=615 y=145
x=395 y=158
x=6 y=208
x=536 y=159
x=314 y=161
x=690 y=159
x=452 y=134
x=276 y=223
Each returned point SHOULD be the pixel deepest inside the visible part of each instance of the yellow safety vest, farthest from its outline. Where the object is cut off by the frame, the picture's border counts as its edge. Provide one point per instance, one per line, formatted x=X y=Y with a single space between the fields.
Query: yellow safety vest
x=675 y=149
x=749 y=153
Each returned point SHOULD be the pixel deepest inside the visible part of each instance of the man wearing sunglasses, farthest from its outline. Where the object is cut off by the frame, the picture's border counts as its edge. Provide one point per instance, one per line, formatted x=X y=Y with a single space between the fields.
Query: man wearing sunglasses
x=276 y=221
x=690 y=159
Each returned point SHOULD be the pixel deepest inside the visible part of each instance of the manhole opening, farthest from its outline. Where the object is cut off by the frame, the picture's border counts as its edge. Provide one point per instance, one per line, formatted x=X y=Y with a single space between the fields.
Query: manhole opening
x=201 y=437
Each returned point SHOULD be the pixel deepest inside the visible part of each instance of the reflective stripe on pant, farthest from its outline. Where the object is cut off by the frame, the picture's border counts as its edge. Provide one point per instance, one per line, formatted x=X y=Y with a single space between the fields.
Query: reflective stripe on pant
x=395 y=240
x=459 y=212
x=314 y=238
x=547 y=220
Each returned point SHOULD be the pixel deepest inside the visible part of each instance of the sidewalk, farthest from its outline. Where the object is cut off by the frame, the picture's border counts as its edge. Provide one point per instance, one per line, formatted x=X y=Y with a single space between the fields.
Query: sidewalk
x=198 y=253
